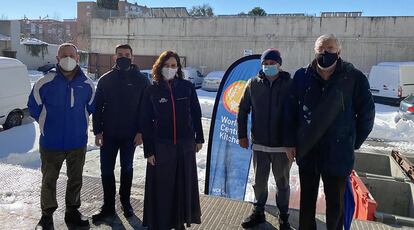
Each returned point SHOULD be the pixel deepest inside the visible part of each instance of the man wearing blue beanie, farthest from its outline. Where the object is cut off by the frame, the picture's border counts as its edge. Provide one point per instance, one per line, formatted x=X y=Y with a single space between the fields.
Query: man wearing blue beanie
x=264 y=97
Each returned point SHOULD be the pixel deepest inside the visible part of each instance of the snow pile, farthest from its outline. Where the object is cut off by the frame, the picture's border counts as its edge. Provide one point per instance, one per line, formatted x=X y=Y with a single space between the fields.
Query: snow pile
x=20 y=146
x=385 y=127
x=34 y=75
x=32 y=41
x=206 y=100
x=4 y=37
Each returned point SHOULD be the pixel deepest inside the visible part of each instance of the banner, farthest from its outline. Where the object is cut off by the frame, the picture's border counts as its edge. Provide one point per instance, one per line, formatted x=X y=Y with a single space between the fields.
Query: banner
x=227 y=163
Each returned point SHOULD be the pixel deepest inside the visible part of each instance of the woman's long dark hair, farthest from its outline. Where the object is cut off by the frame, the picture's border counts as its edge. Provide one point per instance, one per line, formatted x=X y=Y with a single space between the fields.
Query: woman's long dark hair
x=157 y=67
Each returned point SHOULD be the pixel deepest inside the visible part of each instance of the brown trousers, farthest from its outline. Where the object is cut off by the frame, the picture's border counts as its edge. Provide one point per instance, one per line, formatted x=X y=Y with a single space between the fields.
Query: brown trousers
x=51 y=164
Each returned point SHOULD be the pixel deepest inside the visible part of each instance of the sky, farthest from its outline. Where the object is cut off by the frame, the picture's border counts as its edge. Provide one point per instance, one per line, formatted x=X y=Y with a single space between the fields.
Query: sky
x=66 y=9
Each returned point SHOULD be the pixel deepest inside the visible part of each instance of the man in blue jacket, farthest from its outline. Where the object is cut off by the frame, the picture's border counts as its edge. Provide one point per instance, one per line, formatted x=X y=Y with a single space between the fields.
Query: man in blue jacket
x=116 y=128
x=330 y=112
x=61 y=103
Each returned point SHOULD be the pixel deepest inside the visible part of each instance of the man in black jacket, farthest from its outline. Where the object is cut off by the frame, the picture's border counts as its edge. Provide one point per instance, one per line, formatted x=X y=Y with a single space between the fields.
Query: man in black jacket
x=116 y=127
x=265 y=96
x=330 y=112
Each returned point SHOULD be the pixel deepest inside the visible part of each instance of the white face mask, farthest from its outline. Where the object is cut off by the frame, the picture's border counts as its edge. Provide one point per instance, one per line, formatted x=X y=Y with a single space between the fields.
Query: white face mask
x=68 y=64
x=169 y=73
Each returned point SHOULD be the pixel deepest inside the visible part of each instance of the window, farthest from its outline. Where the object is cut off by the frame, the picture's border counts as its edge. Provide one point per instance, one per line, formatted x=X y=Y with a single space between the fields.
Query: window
x=88 y=7
x=409 y=99
x=88 y=13
x=32 y=28
x=126 y=8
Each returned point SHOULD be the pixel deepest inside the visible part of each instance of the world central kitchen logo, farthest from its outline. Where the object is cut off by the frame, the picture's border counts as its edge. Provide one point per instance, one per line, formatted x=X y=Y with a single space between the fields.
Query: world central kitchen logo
x=232 y=96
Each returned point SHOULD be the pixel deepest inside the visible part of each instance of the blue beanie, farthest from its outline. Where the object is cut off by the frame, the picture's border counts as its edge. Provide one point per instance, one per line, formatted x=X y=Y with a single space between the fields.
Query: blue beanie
x=271 y=54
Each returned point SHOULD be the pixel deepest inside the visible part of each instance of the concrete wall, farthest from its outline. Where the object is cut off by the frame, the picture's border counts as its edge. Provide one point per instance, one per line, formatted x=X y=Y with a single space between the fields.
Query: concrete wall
x=217 y=42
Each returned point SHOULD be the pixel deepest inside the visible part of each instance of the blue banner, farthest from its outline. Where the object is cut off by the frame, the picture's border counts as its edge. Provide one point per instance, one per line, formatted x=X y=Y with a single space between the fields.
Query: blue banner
x=227 y=163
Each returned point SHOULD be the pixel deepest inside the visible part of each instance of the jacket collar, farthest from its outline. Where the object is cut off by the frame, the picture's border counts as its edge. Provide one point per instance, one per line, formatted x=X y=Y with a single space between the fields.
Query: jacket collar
x=282 y=75
x=339 y=69
x=79 y=73
x=133 y=67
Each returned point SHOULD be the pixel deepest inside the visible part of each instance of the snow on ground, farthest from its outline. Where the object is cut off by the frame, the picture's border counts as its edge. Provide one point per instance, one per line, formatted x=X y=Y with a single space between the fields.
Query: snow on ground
x=19 y=146
x=400 y=135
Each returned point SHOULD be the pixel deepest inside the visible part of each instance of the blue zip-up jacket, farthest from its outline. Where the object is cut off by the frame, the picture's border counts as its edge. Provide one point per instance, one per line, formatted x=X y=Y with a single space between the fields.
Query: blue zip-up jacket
x=62 y=109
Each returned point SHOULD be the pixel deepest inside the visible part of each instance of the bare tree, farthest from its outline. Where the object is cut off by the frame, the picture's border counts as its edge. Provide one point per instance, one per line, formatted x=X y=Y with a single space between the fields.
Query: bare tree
x=204 y=10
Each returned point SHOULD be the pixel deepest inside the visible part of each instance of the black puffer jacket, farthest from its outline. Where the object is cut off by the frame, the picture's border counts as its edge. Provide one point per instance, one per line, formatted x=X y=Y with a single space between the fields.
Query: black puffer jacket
x=118 y=103
x=266 y=102
x=171 y=113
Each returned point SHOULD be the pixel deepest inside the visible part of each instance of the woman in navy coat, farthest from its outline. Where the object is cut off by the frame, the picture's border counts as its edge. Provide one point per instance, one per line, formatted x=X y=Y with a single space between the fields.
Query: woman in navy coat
x=172 y=134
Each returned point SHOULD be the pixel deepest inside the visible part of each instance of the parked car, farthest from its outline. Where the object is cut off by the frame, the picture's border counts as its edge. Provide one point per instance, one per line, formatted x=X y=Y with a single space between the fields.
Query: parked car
x=212 y=81
x=193 y=75
x=147 y=73
x=391 y=82
x=406 y=109
x=46 y=68
x=14 y=91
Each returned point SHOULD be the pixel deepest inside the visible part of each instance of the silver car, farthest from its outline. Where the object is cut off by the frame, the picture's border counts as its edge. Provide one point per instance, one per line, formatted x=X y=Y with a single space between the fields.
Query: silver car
x=406 y=110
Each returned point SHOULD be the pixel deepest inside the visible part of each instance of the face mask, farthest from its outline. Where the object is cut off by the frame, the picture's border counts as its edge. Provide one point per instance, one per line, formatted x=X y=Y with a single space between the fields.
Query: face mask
x=270 y=70
x=123 y=63
x=67 y=64
x=326 y=59
x=168 y=73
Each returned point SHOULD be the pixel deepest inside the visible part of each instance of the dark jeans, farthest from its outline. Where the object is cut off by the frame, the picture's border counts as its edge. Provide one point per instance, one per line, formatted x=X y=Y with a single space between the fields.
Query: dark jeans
x=51 y=164
x=109 y=151
x=280 y=165
x=334 y=188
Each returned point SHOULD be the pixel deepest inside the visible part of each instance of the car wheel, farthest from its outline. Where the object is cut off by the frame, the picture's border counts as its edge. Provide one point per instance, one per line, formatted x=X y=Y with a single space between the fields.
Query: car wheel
x=13 y=119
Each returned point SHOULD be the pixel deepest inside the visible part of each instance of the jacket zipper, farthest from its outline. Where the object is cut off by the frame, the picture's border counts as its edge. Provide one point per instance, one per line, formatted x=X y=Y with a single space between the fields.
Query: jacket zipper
x=269 y=113
x=174 y=118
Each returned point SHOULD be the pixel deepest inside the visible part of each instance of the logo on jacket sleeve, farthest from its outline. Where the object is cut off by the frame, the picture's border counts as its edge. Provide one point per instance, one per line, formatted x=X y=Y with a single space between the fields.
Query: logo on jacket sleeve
x=163 y=100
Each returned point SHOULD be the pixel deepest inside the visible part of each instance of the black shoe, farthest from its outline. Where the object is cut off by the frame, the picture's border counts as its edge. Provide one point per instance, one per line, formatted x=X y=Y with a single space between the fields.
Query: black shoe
x=128 y=210
x=76 y=219
x=45 y=223
x=254 y=219
x=284 y=222
x=104 y=216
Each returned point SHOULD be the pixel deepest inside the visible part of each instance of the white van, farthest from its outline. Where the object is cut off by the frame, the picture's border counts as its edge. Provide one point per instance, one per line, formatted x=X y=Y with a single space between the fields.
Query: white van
x=391 y=82
x=14 y=92
x=193 y=75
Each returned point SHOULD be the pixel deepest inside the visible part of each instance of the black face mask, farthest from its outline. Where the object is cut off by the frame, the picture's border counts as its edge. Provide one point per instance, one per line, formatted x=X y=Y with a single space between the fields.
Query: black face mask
x=123 y=63
x=326 y=59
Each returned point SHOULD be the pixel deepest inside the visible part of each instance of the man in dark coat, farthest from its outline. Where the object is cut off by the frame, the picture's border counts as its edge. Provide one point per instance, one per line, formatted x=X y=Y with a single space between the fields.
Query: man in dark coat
x=116 y=127
x=330 y=112
x=265 y=96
